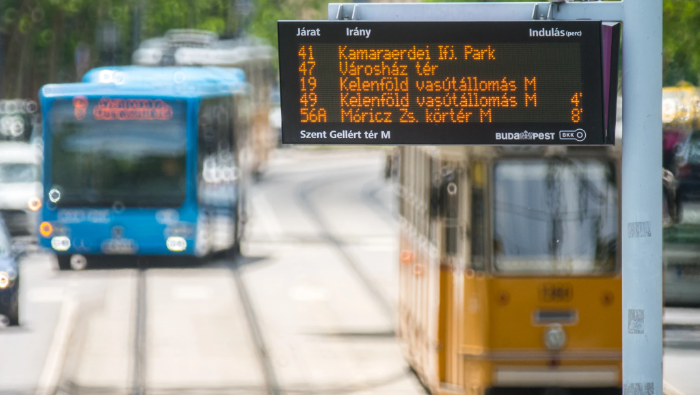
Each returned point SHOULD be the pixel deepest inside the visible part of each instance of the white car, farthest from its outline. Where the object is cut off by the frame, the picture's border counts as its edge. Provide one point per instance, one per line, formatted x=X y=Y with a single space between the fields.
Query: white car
x=20 y=186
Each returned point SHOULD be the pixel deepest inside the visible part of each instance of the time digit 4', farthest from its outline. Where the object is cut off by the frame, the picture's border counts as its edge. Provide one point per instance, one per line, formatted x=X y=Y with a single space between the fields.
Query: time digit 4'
x=576 y=111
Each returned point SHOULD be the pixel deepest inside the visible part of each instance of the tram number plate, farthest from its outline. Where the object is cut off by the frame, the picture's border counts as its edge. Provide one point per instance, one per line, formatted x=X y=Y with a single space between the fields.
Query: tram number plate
x=556 y=292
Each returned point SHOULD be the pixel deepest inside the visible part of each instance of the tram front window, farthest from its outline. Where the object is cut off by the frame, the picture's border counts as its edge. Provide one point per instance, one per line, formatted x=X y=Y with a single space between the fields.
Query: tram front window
x=99 y=160
x=555 y=216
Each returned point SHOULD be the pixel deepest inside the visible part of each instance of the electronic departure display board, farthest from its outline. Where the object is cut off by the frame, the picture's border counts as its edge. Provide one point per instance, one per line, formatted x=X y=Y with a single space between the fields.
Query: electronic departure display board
x=532 y=83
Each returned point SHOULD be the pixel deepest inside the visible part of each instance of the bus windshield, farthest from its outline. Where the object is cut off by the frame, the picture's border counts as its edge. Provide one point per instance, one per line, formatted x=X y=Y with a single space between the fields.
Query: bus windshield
x=118 y=152
x=555 y=216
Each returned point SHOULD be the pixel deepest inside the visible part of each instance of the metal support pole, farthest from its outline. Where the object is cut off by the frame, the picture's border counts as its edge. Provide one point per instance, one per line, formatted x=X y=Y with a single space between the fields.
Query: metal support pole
x=642 y=306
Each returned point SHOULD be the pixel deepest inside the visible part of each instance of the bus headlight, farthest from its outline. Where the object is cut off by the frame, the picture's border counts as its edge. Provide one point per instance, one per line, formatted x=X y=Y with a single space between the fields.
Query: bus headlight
x=60 y=243
x=176 y=243
x=554 y=337
x=4 y=280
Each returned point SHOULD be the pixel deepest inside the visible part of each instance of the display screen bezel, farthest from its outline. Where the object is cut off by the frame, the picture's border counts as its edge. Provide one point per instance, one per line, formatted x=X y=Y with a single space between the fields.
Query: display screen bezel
x=387 y=33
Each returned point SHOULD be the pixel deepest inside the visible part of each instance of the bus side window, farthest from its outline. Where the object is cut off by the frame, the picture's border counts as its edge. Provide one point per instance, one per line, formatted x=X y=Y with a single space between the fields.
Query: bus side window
x=478 y=215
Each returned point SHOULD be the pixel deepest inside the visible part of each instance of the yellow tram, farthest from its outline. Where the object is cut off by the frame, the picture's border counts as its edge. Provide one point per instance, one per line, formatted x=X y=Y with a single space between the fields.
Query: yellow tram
x=510 y=268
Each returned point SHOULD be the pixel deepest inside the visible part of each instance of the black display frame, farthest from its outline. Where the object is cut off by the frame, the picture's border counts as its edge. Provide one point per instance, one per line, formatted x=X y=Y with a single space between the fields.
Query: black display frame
x=597 y=130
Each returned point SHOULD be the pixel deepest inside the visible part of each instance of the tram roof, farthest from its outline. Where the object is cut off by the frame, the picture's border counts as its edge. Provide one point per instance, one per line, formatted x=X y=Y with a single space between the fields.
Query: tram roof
x=162 y=82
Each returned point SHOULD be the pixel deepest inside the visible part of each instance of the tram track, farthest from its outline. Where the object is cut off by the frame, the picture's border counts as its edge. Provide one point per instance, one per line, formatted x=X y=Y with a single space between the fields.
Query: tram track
x=303 y=196
x=271 y=383
x=139 y=373
x=138 y=381
x=368 y=196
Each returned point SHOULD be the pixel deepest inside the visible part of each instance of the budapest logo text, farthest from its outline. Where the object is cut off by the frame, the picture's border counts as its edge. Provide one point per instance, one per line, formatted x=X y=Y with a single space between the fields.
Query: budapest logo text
x=525 y=136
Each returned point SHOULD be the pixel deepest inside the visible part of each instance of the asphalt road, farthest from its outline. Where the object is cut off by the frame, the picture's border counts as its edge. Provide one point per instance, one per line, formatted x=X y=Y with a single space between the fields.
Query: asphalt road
x=308 y=309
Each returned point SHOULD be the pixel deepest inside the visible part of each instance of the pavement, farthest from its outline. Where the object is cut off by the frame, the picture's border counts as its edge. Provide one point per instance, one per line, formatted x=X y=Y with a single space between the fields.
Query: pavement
x=318 y=279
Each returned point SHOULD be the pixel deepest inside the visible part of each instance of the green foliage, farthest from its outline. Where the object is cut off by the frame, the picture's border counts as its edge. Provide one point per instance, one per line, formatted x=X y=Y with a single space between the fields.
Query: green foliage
x=681 y=41
x=39 y=38
x=268 y=12
x=163 y=15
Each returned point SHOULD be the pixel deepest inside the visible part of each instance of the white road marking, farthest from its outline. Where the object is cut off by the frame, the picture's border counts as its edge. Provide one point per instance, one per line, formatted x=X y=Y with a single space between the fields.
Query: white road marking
x=670 y=389
x=45 y=295
x=192 y=292
x=379 y=248
x=308 y=293
x=51 y=373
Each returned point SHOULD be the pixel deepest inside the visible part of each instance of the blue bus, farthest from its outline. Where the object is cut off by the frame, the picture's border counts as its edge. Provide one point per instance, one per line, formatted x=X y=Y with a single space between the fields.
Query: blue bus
x=144 y=163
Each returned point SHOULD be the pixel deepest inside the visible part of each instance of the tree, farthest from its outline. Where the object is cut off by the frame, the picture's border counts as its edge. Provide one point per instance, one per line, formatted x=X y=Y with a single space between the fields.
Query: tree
x=268 y=12
x=50 y=41
x=681 y=53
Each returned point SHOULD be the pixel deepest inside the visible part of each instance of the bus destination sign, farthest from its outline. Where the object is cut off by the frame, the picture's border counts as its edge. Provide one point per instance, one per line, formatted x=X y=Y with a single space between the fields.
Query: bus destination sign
x=498 y=83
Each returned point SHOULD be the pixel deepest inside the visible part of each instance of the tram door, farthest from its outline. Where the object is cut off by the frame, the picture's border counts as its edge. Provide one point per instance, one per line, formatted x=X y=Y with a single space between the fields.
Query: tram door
x=452 y=217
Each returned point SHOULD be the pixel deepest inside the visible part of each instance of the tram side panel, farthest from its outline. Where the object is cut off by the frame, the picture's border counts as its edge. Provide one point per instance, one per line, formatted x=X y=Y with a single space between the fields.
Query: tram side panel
x=419 y=270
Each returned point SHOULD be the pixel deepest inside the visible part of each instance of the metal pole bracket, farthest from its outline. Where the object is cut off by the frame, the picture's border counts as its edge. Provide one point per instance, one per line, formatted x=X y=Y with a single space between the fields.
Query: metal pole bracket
x=345 y=12
x=537 y=14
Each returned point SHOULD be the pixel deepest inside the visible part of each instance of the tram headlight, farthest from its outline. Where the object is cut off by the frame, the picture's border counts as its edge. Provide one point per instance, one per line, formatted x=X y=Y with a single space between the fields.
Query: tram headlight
x=554 y=337
x=60 y=243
